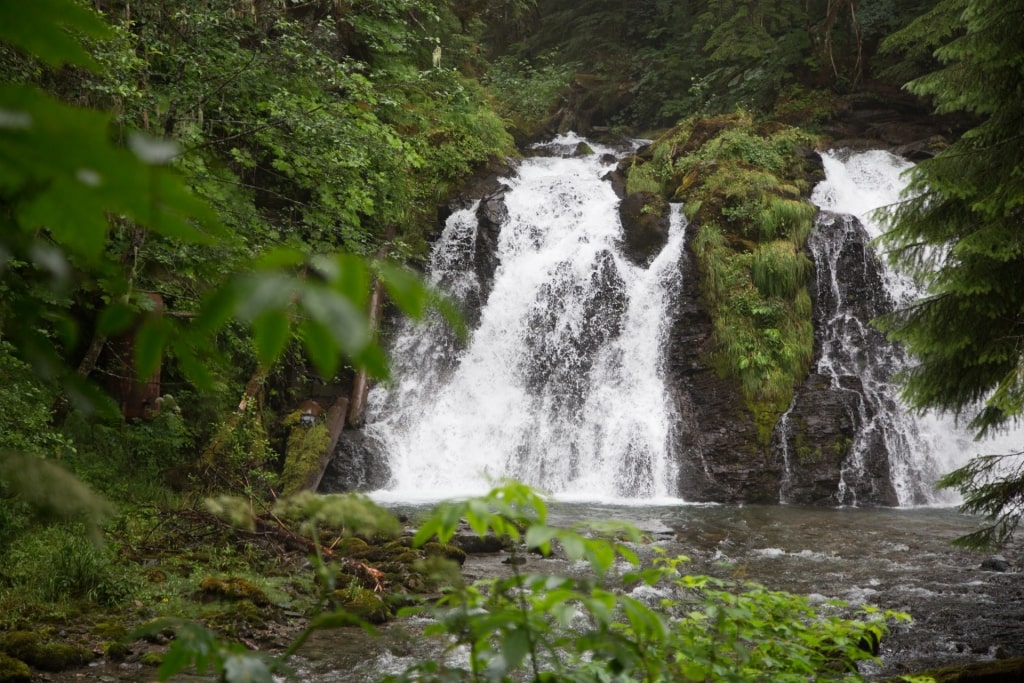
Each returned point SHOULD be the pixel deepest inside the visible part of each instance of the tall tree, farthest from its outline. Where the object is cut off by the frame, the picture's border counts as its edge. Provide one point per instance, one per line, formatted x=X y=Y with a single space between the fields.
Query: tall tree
x=960 y=234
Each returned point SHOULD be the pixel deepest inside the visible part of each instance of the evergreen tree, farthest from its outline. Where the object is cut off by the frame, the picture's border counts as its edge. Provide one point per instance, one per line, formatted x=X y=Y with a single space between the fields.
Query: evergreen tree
x=960 y=234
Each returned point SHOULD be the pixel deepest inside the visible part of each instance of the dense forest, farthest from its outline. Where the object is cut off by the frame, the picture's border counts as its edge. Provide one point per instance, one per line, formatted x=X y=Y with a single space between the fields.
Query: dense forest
x=205 y=204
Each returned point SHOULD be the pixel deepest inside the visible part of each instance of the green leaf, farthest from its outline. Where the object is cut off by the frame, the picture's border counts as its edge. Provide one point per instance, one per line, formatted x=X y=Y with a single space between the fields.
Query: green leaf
x=321 y=347
x=278 y=258
x=41 y=28
x=374 y=360
x=515 y=645
x=352 y=278
x=539 y=536
x=261 y=292
x=347 y=324
x=426 y=531
x=195 y=369
x=573 y=545
x=218 y=308
x=270 y=336
x=116 y=317
x=405 y=288
x=152 y=151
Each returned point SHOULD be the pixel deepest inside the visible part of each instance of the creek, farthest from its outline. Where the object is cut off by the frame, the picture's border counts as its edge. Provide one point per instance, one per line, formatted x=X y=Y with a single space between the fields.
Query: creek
x=891 y=558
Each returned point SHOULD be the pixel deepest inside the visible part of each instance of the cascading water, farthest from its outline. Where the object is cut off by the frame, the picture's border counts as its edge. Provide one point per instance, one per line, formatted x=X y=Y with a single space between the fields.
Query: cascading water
x=561 y=385
x=918 y=448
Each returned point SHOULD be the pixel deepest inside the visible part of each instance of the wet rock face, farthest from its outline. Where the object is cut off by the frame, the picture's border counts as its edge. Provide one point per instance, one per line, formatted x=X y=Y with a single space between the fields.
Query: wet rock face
x=717 y=446
x=821 y=427
x=645 y=226
x=487 y=188
x=358 y=465
x=491 y=215
x=835 y=443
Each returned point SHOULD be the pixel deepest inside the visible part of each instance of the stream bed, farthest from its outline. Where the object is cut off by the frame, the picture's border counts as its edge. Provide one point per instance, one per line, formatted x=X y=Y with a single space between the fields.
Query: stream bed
x=899 y=559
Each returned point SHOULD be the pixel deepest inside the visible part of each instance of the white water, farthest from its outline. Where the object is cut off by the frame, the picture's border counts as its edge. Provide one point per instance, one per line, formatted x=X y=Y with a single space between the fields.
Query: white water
x=922 y=445
x=561 y=385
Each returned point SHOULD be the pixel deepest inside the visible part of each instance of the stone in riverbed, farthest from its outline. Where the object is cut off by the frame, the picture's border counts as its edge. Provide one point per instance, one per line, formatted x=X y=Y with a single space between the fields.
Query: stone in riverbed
x=996 y=563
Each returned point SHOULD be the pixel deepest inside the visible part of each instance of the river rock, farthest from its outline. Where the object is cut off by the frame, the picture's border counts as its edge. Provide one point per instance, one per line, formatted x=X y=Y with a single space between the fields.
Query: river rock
x=996 y=563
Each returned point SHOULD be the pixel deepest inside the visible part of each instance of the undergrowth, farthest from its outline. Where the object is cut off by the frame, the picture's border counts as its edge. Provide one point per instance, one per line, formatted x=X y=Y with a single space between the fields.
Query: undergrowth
x=742 y=184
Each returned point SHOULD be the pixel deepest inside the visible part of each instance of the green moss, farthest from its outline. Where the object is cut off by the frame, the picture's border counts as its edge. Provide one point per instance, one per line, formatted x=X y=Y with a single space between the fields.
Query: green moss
x=13 y=670
x=644 y=178
x=306 y=447
x=117 y=652
x=38 y=653
x=151 y=659
x=110 y=630
x=237 y=618
x=741 y=182
x=58 y=656
x=450 y=552
x=363 y=603
x=232 y=589
x=20 y=644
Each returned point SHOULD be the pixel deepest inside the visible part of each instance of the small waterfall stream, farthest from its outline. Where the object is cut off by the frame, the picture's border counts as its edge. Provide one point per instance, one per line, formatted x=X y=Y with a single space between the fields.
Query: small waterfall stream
x=561 y=384
x=919 y=447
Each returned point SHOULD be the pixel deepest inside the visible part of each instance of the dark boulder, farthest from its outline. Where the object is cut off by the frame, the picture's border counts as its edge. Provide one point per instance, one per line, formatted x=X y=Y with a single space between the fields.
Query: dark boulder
x=645 y=226
x=996 y=563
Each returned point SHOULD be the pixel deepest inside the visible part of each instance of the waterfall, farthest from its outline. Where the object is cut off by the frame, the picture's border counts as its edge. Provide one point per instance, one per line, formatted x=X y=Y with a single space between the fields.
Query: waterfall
x=561 y=382
x=919 y=447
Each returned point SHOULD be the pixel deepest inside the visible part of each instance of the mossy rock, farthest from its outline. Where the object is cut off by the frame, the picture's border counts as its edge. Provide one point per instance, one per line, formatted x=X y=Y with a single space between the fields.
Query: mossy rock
x=20 y=644
x=13 y=670
x=353 y=546
x=304 y=455
x=31 y=649
x=363 y=603
x=237 y=618
x=450 y=552
x=152 y=659
x=110 y=630
x=117 y=652
x=232 y=589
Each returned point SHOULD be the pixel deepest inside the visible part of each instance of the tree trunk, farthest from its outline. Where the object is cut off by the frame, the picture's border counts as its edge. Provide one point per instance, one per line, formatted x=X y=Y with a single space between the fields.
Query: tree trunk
x=361 y=385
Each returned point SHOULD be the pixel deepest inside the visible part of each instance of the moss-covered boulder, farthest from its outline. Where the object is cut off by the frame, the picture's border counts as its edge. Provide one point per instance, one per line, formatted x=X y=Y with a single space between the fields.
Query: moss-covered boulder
x=306 y=454
x=45 y=655
x=231 y=589
x=361 y=602
x=742 y=338
x=645 y=226
x=13 y=670
x=445 y=550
